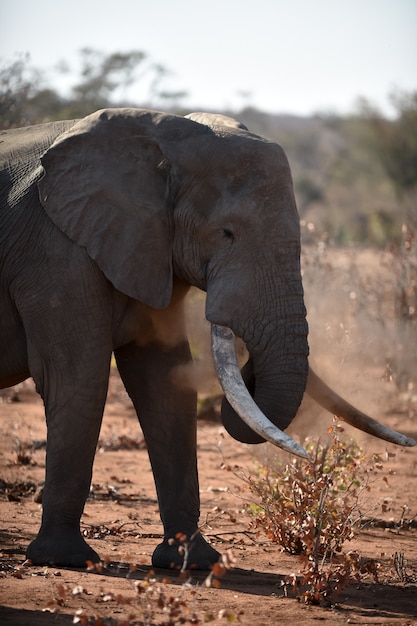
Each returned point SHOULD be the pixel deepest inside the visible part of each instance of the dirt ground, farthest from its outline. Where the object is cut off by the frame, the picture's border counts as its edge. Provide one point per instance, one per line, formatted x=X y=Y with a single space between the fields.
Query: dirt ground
x=121 y=520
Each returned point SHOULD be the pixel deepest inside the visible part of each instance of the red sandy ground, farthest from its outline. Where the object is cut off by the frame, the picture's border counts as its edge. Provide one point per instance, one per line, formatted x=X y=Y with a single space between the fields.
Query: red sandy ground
x=128 y=516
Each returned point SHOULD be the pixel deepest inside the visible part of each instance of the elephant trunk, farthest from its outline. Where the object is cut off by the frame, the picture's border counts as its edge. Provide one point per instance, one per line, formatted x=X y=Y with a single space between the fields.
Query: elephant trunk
x=272 y=323
x=276 y=378
x=244 y=408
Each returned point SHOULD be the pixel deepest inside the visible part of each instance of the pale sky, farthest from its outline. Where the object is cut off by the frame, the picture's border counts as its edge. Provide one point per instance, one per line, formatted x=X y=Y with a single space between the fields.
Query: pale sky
x=297 y=56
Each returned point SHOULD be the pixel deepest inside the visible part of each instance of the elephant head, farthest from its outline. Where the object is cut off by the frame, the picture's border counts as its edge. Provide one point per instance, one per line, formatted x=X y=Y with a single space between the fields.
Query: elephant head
x=153 y=196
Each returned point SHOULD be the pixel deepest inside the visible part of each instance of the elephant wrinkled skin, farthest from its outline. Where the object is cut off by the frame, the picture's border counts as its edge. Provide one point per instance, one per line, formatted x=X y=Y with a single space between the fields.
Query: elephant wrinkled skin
x=105 y=223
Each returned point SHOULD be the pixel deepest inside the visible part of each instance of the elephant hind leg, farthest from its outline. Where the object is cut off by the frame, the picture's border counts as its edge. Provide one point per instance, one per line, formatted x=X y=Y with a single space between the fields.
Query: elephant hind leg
x=74 y=412
x=61 y=549
x=70 y=362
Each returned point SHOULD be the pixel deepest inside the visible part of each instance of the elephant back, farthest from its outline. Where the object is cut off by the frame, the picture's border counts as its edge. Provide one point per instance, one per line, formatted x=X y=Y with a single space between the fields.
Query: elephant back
x=20 y=153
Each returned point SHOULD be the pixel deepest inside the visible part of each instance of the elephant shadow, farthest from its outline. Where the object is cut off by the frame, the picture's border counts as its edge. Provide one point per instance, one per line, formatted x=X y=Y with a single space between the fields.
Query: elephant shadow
x=248 y=581
x=11 y=616
x=364 y=599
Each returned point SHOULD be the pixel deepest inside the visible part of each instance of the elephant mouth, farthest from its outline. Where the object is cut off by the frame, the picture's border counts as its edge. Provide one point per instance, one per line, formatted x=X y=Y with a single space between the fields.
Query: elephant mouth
x=238 y=396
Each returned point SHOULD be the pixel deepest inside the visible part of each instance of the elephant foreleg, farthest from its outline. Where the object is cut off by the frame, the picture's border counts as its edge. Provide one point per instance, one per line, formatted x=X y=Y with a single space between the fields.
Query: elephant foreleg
x=155 y=378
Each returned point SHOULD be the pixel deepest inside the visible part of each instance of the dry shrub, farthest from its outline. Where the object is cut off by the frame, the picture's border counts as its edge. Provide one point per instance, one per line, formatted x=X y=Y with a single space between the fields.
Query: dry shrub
x=310 y=509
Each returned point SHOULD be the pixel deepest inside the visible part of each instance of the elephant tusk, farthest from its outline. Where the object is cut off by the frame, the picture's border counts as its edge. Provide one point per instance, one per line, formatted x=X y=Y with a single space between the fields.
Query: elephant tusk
x=329 y=399
x=228 y=372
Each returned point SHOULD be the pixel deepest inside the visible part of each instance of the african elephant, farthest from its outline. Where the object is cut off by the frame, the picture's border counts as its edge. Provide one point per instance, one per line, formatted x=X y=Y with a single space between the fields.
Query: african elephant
x=106 y=222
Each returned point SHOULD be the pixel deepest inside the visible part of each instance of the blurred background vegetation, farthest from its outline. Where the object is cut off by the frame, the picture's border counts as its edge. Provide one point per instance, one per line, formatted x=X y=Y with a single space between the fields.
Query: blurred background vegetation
x=355 y=177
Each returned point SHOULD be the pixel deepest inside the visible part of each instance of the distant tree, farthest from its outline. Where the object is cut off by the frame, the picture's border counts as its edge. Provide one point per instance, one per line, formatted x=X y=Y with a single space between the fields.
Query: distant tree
x=45 y=105
x=19 y=84
x=308 y=192
x=103 y=77
x=105 y=80
x=395 y=141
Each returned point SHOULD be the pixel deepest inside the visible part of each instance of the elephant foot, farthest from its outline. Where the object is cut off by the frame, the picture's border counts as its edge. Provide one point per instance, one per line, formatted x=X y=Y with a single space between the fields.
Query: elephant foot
x=198 y=554
x=65 y=549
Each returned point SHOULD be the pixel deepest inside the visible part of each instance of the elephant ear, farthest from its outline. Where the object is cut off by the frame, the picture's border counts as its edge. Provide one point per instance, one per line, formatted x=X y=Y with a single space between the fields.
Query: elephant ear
x=105 y=187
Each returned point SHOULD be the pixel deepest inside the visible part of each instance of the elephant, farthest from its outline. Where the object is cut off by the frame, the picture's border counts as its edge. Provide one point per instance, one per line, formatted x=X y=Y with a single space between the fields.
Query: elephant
x=106 y=223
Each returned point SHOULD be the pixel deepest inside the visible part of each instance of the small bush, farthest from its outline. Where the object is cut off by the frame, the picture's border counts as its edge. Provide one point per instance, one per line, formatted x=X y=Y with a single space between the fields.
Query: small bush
x=310 y=508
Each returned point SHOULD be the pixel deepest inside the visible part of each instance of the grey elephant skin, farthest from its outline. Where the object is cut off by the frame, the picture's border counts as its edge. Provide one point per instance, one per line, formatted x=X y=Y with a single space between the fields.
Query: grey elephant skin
x=106 y=222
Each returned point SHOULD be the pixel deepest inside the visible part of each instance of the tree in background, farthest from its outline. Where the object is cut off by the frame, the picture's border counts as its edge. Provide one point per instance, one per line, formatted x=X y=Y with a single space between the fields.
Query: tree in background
x=19 y=85
x=104 y=80
x=354 y=176
x=395 y=145
x=396 y=141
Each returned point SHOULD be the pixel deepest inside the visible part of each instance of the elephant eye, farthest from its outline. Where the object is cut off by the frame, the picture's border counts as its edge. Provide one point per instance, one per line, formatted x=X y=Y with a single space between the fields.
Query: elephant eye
x=228 y=233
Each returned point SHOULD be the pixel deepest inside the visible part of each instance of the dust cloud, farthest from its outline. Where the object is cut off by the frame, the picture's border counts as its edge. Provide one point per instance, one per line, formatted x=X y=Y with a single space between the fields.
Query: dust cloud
x=359 y=343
